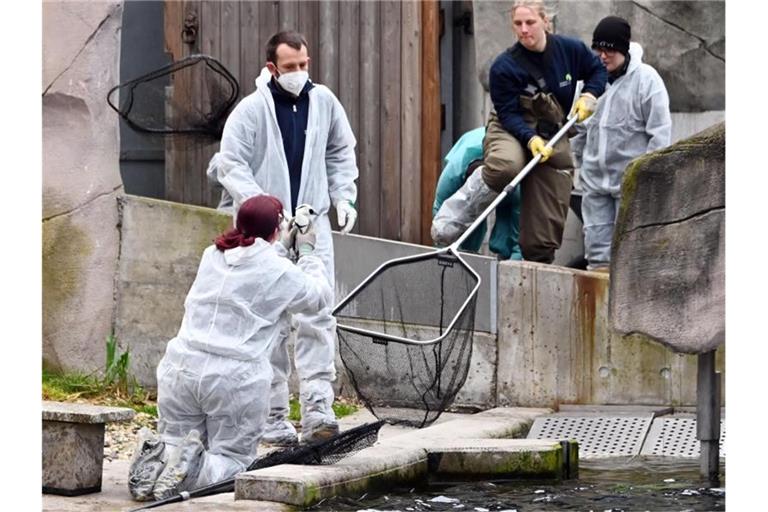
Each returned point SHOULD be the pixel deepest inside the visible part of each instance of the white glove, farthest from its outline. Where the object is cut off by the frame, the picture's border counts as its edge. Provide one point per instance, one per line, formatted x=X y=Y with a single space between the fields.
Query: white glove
x=304 y=218
x=287 y=232
x=347 y=215
x=305 y=242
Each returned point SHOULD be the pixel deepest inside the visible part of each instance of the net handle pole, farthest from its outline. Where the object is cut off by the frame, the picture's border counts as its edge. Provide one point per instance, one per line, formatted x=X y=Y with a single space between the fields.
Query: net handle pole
x=512 y=184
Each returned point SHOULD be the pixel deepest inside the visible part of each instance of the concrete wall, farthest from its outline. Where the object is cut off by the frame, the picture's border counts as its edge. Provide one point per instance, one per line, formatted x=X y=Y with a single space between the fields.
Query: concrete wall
x=155 y=271
x=556 y=346
x=81 y=180
x=553 y=343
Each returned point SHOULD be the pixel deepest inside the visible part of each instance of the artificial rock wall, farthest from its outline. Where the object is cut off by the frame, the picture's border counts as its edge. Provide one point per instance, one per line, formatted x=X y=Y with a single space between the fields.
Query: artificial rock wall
x=669 y=261
x=81 y=180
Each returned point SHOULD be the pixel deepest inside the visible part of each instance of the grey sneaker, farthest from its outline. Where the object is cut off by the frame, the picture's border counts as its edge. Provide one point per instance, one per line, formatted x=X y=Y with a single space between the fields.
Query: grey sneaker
x=280 y=432
x=147 y=462
x=182 y=467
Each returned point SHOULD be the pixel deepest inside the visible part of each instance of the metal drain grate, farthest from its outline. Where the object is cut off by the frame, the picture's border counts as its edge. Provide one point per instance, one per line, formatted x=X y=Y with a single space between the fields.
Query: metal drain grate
x=676 y=436
x=598 y=436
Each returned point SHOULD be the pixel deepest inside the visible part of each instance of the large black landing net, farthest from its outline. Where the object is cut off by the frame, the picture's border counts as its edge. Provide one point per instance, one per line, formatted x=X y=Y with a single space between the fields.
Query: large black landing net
x=190 y=96
x=405 y=336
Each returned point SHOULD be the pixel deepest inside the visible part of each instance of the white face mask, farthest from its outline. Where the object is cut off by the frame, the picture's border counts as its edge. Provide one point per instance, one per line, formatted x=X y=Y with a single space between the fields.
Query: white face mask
x=293 y=82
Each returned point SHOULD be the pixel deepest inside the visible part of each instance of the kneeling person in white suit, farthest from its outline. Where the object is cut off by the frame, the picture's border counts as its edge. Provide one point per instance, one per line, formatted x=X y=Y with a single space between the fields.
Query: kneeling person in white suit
x=214 y=380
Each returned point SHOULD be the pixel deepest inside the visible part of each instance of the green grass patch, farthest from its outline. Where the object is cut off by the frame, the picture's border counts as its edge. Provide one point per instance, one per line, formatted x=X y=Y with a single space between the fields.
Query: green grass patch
x=115 y=388
x=340 y=407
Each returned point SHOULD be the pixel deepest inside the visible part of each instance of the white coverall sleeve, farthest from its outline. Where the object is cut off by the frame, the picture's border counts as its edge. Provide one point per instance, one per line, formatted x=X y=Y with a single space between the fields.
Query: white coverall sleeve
x=232 y=167
x=340 y=162
x=578 y=142
x=658 y=124
x=313 y=292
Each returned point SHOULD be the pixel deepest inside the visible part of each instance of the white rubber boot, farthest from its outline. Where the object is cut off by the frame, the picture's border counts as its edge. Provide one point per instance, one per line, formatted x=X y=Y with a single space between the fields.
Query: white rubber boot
x=182 y=467
x=318 y=421
x=147 y=462
x=279 y=431
x=459 y=211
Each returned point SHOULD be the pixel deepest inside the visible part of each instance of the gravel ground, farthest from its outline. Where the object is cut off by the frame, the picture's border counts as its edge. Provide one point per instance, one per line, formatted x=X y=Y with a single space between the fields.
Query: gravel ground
x=120 y=438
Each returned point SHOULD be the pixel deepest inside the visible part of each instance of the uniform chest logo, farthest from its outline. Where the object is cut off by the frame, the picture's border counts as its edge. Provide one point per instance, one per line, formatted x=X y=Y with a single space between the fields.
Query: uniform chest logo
x=567 y=80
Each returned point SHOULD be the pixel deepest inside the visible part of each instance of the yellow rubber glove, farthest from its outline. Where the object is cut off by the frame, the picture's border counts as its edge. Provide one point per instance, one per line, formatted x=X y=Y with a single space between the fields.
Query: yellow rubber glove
x=537 y=145
x=584 y=106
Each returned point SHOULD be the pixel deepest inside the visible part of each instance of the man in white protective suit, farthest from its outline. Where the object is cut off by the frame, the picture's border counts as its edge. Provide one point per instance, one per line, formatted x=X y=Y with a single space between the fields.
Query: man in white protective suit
x=214 y=379
x=291 y=138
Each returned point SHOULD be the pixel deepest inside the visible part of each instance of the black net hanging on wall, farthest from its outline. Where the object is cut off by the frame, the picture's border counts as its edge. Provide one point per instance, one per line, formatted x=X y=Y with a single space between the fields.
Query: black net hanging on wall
x=190 y=96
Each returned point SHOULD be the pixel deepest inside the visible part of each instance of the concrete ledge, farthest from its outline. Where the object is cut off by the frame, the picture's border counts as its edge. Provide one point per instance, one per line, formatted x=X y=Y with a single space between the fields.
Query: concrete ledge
x=498 y=423
x=465 y=442
x=518 y=458
x=306 y=485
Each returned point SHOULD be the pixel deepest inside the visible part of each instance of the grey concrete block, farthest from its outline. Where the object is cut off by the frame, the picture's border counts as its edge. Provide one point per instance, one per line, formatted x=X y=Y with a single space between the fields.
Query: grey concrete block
x=496 y=423
x=73 y=456
x=479 y=390
x=73 y=445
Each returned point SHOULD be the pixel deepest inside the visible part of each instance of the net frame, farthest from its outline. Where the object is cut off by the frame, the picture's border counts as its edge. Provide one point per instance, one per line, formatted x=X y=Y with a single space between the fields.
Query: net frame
x=434 y=365
x=452 y=251
x=211 y=127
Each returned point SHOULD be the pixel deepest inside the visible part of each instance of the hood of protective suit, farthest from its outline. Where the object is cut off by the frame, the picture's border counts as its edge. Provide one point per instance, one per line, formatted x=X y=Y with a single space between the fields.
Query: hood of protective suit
x=239 y=255
x=632 y=118
x=264 y=77
x=635 y=54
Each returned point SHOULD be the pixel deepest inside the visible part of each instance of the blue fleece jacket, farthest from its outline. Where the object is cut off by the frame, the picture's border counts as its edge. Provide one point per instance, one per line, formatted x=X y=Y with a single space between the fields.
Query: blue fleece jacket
x=292 y=113
x=563 y=62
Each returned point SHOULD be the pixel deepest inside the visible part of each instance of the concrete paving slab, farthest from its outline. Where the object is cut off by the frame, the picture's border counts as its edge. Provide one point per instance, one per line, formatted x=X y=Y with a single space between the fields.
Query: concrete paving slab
x=374 y=467
x=498 y=423
x=114 y=497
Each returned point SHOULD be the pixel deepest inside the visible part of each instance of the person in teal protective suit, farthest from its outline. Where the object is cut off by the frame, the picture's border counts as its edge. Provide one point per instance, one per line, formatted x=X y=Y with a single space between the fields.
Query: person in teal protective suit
x=461 y=161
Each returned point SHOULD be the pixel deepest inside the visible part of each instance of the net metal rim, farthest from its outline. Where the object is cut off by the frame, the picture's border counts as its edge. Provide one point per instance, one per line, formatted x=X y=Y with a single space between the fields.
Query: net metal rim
x=408 y=259
x=188 y=60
